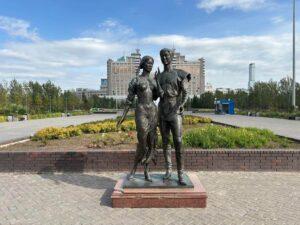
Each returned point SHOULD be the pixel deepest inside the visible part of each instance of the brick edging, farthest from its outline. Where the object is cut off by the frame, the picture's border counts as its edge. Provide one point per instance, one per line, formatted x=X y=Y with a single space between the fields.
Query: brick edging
x=121 y=160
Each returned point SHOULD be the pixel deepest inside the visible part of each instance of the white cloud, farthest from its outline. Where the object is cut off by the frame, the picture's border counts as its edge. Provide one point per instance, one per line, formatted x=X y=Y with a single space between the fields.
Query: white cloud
x=227 y=59
x=111 y=29
x=19 y=28
x=277 y=19
x=245 y=5
x=58 y=60
x=82 y=61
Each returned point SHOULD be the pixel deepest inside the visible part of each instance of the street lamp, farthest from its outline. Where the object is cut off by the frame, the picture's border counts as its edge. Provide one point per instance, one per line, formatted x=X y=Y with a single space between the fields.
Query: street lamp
x=294 y=58
x=115 y=94
x=66 y=99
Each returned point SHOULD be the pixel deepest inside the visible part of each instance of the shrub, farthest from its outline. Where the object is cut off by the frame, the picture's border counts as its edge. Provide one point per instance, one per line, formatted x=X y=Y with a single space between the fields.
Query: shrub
x=104 y=126
x=2 y=119
x=78 y=113
x=226 y=137
x=43 y=116
x=51 y=133
x=195 y=119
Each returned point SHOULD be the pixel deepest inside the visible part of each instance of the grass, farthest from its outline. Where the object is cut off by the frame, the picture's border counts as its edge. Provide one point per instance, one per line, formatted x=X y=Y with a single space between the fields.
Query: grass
x=211 y=136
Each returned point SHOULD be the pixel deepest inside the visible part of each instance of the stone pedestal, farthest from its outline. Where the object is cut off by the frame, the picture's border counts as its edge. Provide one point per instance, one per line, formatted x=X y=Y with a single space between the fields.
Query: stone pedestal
x=139 y=193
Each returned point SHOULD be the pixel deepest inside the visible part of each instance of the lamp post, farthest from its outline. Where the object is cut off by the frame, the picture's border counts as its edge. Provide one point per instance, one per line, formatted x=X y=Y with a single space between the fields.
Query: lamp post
x=50 y=107
x=294 y=58
x=66 y=99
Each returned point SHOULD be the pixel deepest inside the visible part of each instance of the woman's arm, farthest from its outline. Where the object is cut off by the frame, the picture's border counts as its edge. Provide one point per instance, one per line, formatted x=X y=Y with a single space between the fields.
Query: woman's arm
x=129 y=100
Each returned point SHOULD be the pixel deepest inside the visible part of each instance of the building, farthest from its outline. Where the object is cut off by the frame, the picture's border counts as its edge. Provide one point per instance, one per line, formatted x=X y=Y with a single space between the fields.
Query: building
x=240 y=90
x=87 y=92
x=196 y=69
x=251 y=75
x=223 y=90
x=120 y=72
x=103 y=87
x=209 y=87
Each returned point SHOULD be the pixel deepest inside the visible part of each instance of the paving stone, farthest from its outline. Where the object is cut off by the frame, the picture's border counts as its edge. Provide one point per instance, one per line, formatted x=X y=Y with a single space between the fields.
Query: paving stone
x=84 y=198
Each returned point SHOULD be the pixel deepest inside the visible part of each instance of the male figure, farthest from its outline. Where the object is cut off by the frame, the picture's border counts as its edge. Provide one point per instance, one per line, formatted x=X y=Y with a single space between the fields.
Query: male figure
x=172 y=87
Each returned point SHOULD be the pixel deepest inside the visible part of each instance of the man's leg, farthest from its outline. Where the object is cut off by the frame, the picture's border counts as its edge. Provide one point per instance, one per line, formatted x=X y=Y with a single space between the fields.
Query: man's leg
x=165 y=133
x=176 y=128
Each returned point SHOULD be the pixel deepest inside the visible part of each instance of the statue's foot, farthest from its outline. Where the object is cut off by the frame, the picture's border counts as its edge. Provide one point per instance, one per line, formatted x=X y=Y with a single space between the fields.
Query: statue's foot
x=167 y=175
x=181 y=180
x=130 y=177
x=147 y=176
x=148 y=179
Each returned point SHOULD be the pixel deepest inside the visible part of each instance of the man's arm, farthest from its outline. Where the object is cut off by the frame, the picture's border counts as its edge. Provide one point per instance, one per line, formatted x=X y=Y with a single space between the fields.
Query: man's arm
x=160 y=91
x=184 y=78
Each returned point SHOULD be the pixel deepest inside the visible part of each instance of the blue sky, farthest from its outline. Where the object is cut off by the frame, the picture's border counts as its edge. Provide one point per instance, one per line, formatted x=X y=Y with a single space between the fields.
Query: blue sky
x=69 y=42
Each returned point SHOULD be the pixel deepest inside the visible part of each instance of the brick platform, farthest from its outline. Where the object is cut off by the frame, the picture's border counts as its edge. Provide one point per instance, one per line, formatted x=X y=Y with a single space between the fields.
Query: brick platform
x=160 y=197
x=121 y=160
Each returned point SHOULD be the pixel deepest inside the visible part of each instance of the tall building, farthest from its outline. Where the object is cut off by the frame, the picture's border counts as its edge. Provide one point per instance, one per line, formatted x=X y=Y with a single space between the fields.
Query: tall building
x=195 y=68
x=120 y=72
x=251 y=75
x=103 y=87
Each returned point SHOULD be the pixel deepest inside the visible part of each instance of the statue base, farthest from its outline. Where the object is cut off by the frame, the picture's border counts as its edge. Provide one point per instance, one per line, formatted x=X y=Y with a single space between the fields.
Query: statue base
x=138 y=193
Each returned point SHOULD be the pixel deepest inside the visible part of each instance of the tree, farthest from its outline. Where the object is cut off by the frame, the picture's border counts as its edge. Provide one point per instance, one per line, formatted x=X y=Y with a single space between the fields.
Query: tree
x=3 y=97
x=15 y=92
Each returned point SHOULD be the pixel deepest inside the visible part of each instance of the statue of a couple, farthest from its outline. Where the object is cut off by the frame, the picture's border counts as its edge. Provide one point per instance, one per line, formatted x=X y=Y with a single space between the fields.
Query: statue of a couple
x=171 y=87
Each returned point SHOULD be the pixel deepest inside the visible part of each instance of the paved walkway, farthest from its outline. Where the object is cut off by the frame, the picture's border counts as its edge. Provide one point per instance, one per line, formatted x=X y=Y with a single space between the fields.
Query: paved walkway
x=74 y=198
x=282 y=127
x=10 y=131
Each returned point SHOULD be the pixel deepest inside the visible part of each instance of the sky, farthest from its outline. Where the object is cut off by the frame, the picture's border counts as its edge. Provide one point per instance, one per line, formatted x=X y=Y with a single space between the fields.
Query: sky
x=69 y=42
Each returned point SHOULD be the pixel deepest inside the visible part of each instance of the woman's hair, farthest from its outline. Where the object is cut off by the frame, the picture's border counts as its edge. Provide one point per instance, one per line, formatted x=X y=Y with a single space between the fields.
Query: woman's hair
x=144 y=60
x=171 y=52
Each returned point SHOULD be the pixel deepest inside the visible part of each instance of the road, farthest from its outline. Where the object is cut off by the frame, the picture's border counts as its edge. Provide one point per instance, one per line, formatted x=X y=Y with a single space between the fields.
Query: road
x=282 y=127
x=10 y=131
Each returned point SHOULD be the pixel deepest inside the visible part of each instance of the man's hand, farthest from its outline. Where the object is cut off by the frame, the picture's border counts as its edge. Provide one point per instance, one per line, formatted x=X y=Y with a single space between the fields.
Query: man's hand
x=156 y=74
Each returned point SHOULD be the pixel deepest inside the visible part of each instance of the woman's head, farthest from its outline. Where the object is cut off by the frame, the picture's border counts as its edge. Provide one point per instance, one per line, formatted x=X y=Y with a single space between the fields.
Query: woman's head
x=147 y=63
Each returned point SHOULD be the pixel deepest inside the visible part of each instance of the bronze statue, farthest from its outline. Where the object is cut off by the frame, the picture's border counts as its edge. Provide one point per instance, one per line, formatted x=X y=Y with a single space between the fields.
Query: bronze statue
x=172 y=89
x=146 y=116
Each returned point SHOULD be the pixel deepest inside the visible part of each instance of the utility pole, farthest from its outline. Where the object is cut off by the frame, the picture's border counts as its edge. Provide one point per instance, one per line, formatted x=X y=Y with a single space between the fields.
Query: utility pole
x=66 y=95
x=294 y=58
x=26 y=104
x=50 y=104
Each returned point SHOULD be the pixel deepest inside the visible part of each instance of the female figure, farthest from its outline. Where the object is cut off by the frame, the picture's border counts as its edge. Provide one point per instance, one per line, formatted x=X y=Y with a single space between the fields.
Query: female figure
x=146 y=120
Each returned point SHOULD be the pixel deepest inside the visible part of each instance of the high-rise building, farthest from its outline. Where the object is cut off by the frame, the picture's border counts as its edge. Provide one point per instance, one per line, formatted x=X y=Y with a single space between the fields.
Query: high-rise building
x=120 y=72
x=103 y=87
x=195 y=68
x=251 y=75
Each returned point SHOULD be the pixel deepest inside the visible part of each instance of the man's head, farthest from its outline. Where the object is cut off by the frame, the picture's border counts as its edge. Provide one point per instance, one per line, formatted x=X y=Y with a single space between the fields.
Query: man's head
x=166 y=56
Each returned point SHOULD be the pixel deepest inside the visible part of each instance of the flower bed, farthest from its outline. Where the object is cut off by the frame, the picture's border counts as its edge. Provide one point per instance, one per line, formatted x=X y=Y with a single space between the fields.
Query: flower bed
x=100 y=127
x=198 y=133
